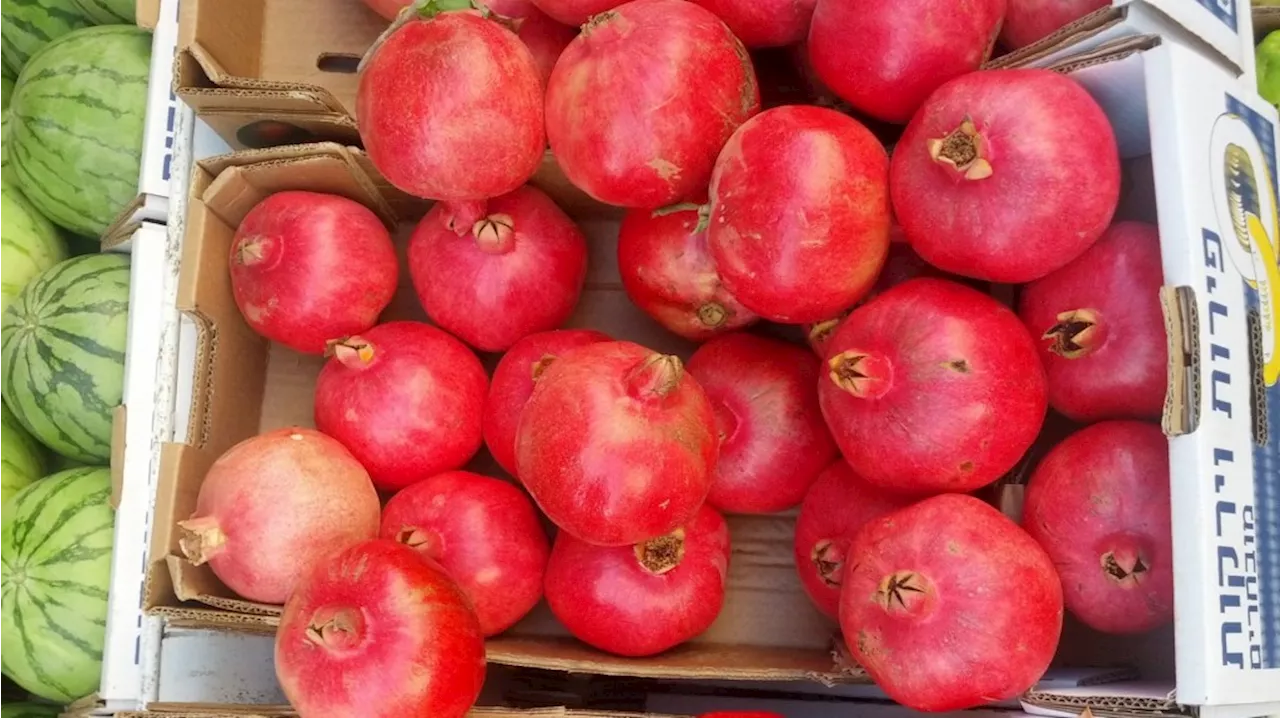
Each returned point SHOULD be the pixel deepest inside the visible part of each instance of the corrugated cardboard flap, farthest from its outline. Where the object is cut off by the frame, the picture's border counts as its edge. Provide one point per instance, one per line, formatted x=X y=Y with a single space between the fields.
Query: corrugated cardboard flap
x=1265 y=20
x=209 y=619
x=197 y=583
x=1079 y=31
x=1121 y=700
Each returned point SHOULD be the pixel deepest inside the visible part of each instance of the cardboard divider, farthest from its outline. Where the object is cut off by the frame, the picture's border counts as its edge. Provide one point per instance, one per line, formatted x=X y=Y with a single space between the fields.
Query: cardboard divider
x=218 y=710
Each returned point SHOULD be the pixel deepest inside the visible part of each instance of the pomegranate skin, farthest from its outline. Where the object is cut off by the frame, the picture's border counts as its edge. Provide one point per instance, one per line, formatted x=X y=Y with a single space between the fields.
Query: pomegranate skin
x=1099 y=505
x=668 y=272
x=1101 y=328
x=436 y=385
x=513 y=381
x=641 y=600
x=1027 y=175
x=905 y=49
x=798 y=252
x=450 y=108
x=618 y=444
x=643 y=99
x=545 y=38
x=1026 y=21
x=773 y=439
x=925 y=577
x=838 y=504
x=516 y=269
x=575 y=12
x=767 y=23
x=506 y=8
x=273 y=506
x=308 y=267
x=486 y=535
x=932 y=387
x=376 y=631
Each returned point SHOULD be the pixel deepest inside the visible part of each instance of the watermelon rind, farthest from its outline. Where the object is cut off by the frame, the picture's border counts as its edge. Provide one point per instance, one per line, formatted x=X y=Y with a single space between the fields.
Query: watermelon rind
x=22 y=458
x=29 y=25
x=29 y=243
x=30 y=709
x=55 y=569
x=110 y=12
x=62 y=346
x=76 y=123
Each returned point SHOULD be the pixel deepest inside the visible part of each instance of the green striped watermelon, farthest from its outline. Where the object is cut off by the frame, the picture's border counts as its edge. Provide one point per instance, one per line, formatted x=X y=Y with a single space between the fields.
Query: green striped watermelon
x=30 y=709
x=55 y=551
x=6 y=87
x=110 y=12
x=22 y=458
x=31 y=24
x=62 y=351
x=75 y=125
x=29 y=243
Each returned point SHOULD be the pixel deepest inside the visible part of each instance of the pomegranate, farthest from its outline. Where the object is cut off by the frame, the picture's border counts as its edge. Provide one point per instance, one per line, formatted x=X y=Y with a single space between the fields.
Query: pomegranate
x=450 y=108
x=274 y=505
x=767 y=23
x=668 y=272
x=933 y=387
x=643 y=99
x=545 y=38
x=950 y=571
x=375 y=631
x=1099 y=505
x=797 y=252
x=513 y=381
x=1102 y=328
x=1006 y=175
x=617 y=445
x=493 y=272
x=836 y=506
x=773 y=440
x=643 y=599
x=308 y=267
x=505 y=8
x=484 y=532
x=905 y=49
x=575 y=12
x=1026 y=21
x=435 y=385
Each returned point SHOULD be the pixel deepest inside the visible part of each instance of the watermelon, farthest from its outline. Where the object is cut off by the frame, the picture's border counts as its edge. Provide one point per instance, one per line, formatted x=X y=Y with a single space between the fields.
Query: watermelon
x=62 y=350
x=22 y=458
x=110 y=12
x=55 y=567
x=6 y=87
x=29 y=243
x=75 y=125
x=30 y=709
x=31 y=24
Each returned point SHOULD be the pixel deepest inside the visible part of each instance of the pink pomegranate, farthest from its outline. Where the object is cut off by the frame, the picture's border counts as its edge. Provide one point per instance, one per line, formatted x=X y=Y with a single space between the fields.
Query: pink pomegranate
x=773 y=440
x=797 y=252
x=767 y=23
x=493 y=272
x=576 y=12
x=505 y=8
x=836 y=506
x=668 y=272
x=933 y=386
x=450 y=108
x=375 y=631
x=1099 y=505
x=406 y=399
x=1026 y=21
x=484 y=532
x=308 y=267
x=1102 y=329
x=950 y=571
x=643 y=99
x=617 y=444
x=644 y=599
x=904 y=49
x=1027 y=154
x=545 y=38
x=274 y=505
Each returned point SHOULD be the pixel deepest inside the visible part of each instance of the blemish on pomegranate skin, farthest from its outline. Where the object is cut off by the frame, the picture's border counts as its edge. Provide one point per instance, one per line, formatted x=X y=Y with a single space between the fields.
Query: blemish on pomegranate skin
x=959 y=365
x=966 y=467
x=296 y=437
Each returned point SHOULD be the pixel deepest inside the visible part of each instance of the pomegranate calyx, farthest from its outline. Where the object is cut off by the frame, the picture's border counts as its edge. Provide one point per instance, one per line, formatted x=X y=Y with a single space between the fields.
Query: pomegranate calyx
x=594 y=22
x=461 y=217
x=250 y=252
x=1133 y=573
x=657 y=375
x=335 y=628
x=495 y=234
x=963 y=151
x=660 y=555
x=202 y=539
x=865 y=376
x=712 y=314
x=1077 y=334
x=424 y=541
x=354 y=352
x=537 y=369
x=900 y=591
x=828 y=558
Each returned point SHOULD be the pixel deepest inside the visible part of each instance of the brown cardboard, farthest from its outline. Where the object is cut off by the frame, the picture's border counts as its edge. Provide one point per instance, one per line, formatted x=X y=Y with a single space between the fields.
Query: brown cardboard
x=217 y=710
x=1265 y=20
x=118 y=418
x=147 y=13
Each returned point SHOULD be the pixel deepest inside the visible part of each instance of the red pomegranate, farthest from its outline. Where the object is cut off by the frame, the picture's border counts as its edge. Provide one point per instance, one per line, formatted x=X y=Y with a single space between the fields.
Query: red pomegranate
x=1102 y=329
x=773 y=440
x=668 y=272
x=1026 y=21
x=617 y=444
x=450 y=108
x=375 y=631
x=493 y=272
x=484 y=532
x=575 y=12
x=643 y=99
x=1027 y=154
x=405 y=398
x=838 y=504
x=644 y=599
x=933 y=387
x=1099 y=505
x=545 y=38
x=764 y=23
x=274 y=505
x=505 y=8
x=308 y=267
x=904 y=49
x=800 y=251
